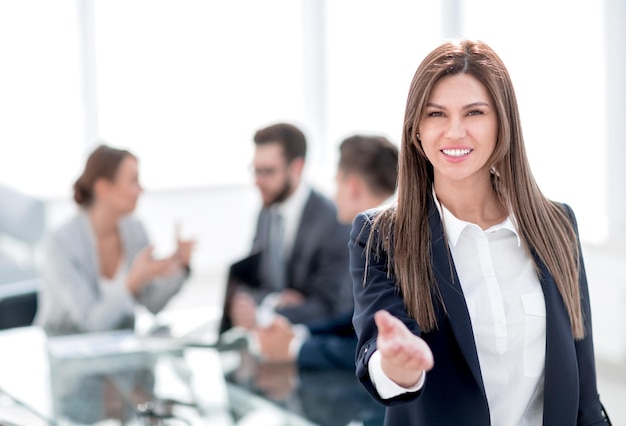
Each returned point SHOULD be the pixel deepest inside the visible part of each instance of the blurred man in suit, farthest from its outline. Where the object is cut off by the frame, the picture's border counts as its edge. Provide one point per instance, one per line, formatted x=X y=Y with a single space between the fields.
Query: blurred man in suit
x=366 y=178
x=303 y=270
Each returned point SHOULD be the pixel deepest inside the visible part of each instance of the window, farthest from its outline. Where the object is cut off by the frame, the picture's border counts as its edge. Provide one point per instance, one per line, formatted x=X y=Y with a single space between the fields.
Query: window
x=184 y=84
x=40 y=103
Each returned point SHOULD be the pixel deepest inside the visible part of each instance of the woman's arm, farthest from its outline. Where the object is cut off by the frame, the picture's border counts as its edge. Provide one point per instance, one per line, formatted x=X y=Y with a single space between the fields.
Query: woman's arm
x=380 y=293
x=590 y=410
x=161 y=278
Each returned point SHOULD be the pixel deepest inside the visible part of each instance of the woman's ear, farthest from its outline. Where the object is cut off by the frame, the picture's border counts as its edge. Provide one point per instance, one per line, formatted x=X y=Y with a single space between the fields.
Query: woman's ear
x=418 y=139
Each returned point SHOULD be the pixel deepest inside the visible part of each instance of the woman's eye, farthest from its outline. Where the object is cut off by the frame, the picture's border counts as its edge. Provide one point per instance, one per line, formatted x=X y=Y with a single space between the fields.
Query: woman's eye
x=475 y=112
x=435 y=114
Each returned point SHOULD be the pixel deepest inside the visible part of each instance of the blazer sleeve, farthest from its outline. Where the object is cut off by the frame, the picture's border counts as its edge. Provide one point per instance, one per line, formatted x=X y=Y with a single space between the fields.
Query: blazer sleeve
x=330 y=345
x=377 y=292
x=590 y=409
x=74 y=300
x=340 y=325
x=158 y=292
x=328 y=351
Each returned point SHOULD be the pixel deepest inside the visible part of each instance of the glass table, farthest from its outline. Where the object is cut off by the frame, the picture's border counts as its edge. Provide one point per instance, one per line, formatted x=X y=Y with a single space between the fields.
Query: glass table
x=119 y=378
x=321 y=397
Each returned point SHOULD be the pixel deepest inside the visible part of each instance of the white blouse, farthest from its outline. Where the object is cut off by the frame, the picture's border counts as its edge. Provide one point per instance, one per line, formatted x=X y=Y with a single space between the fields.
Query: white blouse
x=507 y=309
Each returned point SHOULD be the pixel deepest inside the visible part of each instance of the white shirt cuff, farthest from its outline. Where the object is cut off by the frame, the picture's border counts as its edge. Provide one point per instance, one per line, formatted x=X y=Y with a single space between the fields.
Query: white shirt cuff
x=386 y=387
x=301 y=333
x=266 y=311
x=254 y=347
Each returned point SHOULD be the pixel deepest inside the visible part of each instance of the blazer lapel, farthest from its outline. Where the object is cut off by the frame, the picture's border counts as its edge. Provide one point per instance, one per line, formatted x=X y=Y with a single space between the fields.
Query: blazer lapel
x=90 y=249
x=452 y=294
x=302 y=234
x=561 y=386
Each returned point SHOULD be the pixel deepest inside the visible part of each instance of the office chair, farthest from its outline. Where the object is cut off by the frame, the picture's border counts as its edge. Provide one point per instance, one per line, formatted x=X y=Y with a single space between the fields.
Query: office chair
x=18 y=303
x=22 y=225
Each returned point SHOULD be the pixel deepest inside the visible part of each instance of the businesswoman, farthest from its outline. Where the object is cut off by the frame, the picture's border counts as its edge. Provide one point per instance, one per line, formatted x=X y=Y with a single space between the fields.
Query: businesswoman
x=99 y=265
x=471 y=297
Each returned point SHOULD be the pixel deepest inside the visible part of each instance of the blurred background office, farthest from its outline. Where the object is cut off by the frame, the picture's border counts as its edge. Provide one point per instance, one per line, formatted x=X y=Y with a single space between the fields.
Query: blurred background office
x=184 y=84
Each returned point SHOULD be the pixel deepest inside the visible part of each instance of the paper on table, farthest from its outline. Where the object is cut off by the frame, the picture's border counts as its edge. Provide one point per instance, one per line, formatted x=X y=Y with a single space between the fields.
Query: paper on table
x=108 y=343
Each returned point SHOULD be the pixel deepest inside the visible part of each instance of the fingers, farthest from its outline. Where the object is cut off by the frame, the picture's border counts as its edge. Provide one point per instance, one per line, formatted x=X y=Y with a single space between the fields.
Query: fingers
x=386 y=323
x=184 y=249
x=185 y=245
x=274 y=340
x=280 y=323
x=399 y=347
x=243 y=311
x=409 y=354
x=290 y=297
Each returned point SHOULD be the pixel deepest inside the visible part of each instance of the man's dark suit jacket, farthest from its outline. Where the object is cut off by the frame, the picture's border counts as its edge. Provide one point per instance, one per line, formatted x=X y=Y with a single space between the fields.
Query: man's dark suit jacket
x=454 y=393
x=331 y=345
x=318 y=264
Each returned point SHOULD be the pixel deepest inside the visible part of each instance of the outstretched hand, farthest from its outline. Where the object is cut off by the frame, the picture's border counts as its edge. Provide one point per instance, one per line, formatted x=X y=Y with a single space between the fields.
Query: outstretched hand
x=404 y=356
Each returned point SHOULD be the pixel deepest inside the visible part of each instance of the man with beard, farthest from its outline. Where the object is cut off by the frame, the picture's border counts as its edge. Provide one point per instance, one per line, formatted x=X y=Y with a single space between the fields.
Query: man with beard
x=303 y=269
x=366 y=178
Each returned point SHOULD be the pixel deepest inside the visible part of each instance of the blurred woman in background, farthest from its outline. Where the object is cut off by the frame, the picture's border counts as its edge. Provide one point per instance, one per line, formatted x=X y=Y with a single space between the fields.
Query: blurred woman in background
x=97 y=266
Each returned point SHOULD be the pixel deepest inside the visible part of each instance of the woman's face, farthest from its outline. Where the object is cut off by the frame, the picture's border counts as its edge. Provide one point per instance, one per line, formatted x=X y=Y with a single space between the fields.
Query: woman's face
x=122 y=194
x=458 y=130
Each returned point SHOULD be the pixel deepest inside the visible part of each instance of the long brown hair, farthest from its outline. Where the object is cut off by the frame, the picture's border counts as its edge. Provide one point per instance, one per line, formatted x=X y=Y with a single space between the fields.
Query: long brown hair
x=544 y=225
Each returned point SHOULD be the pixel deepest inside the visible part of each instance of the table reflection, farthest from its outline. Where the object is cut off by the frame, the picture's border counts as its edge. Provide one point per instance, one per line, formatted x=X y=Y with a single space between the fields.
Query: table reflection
x=324 y=397
x=108 y=380
x=120 y=389
x=89 y=391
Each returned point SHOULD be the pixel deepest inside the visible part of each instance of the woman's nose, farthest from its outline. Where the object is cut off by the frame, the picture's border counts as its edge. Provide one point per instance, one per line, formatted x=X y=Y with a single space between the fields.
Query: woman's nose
x=455 y=129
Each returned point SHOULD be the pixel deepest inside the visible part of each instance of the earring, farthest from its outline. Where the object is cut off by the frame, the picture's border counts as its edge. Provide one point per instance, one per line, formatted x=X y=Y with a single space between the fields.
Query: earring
x=417 y=135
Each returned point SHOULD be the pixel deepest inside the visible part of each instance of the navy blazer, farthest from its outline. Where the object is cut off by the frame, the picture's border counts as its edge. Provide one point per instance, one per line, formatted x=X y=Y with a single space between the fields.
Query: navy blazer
x=318 y=264
x=454 y=393
x=331 y=345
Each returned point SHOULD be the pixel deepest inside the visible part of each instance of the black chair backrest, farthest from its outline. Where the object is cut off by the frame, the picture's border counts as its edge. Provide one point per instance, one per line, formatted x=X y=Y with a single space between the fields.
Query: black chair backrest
x=19 y=305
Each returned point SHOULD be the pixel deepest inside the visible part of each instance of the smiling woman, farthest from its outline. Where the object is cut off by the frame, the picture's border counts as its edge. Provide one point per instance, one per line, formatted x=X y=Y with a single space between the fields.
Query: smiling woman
x=473 y=280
